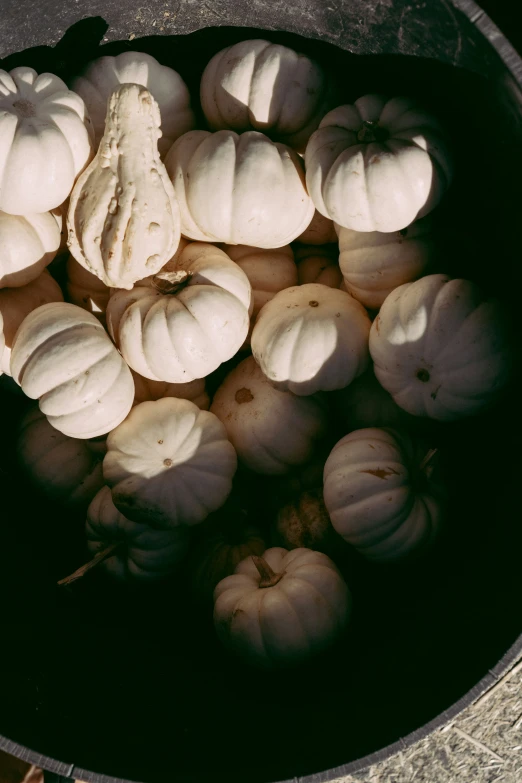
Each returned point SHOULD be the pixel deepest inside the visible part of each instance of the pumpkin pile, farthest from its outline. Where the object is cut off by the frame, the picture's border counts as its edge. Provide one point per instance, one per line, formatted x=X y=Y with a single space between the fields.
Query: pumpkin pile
x=264 y=296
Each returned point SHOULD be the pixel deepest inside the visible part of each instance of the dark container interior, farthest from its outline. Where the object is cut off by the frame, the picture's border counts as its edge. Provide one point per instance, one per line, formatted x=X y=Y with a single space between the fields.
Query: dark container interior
x=131 y=683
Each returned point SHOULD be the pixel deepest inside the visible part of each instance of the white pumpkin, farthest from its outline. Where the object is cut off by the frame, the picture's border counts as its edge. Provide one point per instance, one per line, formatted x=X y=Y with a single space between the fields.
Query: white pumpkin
x=28 y=243
x=86 y=290
x=147 y=391
x=311 y=338
x=46 y=141
x=281 y=608
x=321 y=231
x=379 y=496
x=268 y=271
x=364 y=403
x=104 y=75
x=373 y=263
x=182 y=324
x=65 y=469
x=258 y=85
x=123 y=217
x=441 y=348
x=63 y=357
x=239 y=189
x=377 y=165
x=318 y=264
x=169 y=464
x=271 y=430
x=141 y=552
x=16 y=304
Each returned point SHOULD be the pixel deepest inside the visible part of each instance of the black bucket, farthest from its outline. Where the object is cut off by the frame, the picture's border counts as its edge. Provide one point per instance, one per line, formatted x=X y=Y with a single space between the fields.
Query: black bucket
x=106 y=685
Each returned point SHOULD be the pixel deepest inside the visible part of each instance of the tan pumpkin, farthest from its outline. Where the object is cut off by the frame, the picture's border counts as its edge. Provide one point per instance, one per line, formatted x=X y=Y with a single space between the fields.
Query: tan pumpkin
x=321 y=231
x=65 y=469
x=304 y=522
x=182 y=324
x=318 y=264
x=15 y=306
x=373 y=263
x=147 y=390
x=268 y=270
x=86 y=290
x=123 y=217
x=28 y=243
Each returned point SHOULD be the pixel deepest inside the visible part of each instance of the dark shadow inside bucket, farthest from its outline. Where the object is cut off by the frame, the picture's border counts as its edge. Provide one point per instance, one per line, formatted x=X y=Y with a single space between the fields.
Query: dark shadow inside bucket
x=132 y=682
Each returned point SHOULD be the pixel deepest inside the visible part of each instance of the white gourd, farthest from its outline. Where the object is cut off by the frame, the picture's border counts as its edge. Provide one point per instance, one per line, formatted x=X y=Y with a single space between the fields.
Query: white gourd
x=46 y=140
x=28 y=243
x=123 y=217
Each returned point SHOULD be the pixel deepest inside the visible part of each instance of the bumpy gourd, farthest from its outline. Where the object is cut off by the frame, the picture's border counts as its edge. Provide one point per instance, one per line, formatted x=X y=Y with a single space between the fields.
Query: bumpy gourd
x=45 y=141
x=441 y=348
x=28 y=243
x=123 y=218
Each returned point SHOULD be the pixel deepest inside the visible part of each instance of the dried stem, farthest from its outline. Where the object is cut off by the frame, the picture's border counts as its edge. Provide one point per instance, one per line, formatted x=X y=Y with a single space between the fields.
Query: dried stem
x=269 y=578
x=426 y=462
x=84 y=569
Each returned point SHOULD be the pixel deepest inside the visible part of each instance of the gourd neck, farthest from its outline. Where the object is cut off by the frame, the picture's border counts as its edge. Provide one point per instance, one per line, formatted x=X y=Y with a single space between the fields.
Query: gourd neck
x=372 y=131
x=269 y=578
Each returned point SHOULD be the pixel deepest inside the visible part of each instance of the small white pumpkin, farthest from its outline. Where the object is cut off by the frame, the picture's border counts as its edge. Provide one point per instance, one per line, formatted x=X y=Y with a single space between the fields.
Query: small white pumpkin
x=169 y=464
x=45 y=141
x=16 y=304
x=364 y=403
x=373 y=263
x=258 y=85
x=86 y=290
x=311 y=338
x=123 y=217
x=239 y=189
x=268 y=271
x=149 y=391
x=28 y=243
x=271 y=430
x=321 y=231
x=318 y=264
x=183 y=323
x=379 y=496
x=281 y=608
x=104 y=75
x=141 y=553
x=377 y=165
x=65 y=469
x=63 y=357
x=440 y=348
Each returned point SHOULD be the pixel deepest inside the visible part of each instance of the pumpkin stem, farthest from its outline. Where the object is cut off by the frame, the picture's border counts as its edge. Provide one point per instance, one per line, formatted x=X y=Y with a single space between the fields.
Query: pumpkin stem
x=371 y=131
x=171 y=282
x=98 y=558
x=426 y=467
x=269 y=578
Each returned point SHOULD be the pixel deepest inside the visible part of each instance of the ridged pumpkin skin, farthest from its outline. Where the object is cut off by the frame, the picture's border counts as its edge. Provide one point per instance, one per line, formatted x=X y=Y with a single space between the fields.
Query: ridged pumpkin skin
x=63 y=357
x=321 y=231
x=271 y=430
x=318 y=264
x=239 y=189
x=377 y=165
x=28 y=244
x=105 y=74
x=15 y=306
x=373 y=263
x=186 y=334
x=65 y=469
x=46 y=141
x=440 y=348
x=311 y=338
x=86 y=290
x=149 y=391
x=144 y=554
x=123 y=217
x=258 y=85
x=292 y=620
x=169 y=464
x=375 y=498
